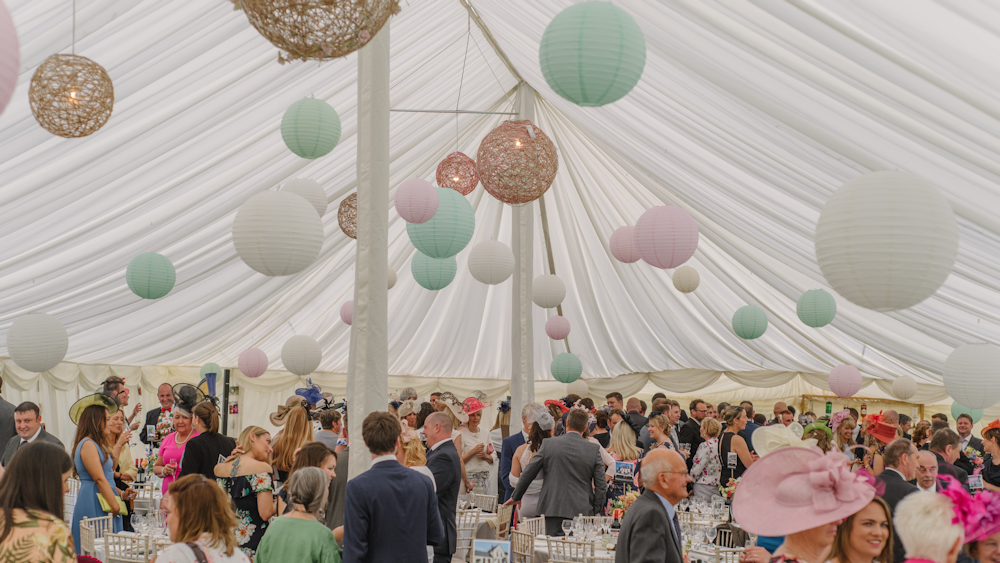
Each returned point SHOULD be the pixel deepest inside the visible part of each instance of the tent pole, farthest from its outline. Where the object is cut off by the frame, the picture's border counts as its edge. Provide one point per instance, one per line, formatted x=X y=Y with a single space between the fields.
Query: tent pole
x=367 y=371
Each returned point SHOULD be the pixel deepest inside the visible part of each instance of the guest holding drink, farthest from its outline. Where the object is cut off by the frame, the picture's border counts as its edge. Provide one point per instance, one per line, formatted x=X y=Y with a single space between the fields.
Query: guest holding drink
x=93 y=462
x=171 y=452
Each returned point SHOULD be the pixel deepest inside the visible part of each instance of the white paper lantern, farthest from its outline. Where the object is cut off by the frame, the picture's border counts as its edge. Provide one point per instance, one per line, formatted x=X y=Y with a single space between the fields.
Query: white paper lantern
x=278 y=233
x=347 y=312
x=622 y=245
x=391 y=274
x=37 y=342
x=311 y=191
x=491 y=262
x=578 y=387
x=548 y=291
x=972 y=375
x=887 y=240
x=253 y=362
x=301 y=355
x=904 y=387
x=686 y=279
x=845 y=380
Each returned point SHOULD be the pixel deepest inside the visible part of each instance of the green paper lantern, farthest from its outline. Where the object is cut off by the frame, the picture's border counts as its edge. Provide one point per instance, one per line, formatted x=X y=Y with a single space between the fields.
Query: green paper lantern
x=449 y=230
x=433 y=273
x=566 y=367
x=310 y=128
x=150 y=275
x=816 y=308
x=957 y=409
x=210 y=368
x=749 y=322
x=592 y=53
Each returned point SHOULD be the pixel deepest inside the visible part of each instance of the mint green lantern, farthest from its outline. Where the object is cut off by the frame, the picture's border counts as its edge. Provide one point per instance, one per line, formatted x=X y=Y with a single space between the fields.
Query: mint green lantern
x=150 y=275
x=449 y=230
x=310 y=128
x=816 y=308
x=566 y=367
x=433 y=273
x=210 y=367
x=749 y=322
x=957 y=409
x=592 y=53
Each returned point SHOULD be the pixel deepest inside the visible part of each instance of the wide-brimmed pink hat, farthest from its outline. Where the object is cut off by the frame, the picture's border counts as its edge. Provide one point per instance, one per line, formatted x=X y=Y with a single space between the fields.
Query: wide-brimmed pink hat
x=795 y=489
x=472 y=405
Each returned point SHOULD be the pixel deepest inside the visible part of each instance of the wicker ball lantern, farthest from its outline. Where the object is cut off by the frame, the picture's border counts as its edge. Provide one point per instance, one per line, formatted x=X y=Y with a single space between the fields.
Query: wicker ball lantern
x=816 y=308
x=517 y=162
x=253 y=362
x=557 y=327
x=416 y=200
x=150 y=275
x=37 y=342
x=433 y=273
x=904 y=387
x=318 y=29
x=347 y=312
x=957 y=409
x=458 y=172
x=548 y=291
x=301 y=355
x=347 y=215
x=622 y=245
x=10 y=56
x=310 y=128
x=449 y=230
x=277 y=233
x=970 y=375
x=844 y=380
x=71 y=96
x=566 y=367
x=491 y=262
x=686 y=279
x=666 y=236
x=749 y=322
x=311 y=191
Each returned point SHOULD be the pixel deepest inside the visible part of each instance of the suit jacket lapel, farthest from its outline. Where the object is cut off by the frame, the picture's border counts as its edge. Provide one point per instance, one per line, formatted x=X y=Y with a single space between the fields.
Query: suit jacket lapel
x=670 y=523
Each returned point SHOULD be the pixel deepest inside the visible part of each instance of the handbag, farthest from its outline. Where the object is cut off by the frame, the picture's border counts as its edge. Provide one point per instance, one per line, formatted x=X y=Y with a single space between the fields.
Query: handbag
x=122 y=509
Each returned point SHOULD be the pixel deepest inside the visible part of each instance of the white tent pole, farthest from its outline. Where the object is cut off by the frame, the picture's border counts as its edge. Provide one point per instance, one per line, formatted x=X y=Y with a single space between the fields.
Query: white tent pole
x=522 y=376
x=367 y=372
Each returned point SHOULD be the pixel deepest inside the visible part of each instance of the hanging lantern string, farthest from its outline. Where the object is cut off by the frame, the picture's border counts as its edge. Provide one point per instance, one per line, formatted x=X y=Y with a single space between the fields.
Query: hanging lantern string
x=73 y=47
x=461 y=79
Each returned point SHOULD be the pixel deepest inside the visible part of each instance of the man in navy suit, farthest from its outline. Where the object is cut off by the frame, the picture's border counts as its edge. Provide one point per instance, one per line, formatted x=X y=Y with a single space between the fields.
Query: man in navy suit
x=445 y=464
x=391 y=511
x=509 y=446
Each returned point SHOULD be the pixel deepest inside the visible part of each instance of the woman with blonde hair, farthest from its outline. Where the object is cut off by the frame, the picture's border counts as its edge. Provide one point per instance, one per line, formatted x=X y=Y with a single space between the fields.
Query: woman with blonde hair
x=410 y=453
x=623 y=448
x=246 y=478
x=200 y=517
x=298 y=430
x=707 y=467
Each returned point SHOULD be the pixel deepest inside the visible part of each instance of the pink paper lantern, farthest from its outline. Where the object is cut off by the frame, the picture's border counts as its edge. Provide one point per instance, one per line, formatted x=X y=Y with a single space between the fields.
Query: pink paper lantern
x=557 y=327
x=458 y=172
x=416 y=201
x=845 y=380
x=622 y=245
x=253 y=362
x=347 y=312
x=666 y=236
x=10 y=56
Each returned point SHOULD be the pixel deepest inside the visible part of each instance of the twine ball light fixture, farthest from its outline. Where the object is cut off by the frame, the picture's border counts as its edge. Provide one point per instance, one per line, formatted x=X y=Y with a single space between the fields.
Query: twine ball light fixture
x=347 y=215
x=491 y=262
x=904 y=387
x=301 y=354
x=557 y=327
x=622 y=246
x=749 y=322
x=458 y=172
x=37 y=342
x=277 y=233
x=150 y=275
x=252 y=362
x=347 y=312
x=416 y=200
x=318 y=29
x=433 y=273
x=686 y=279
x=844 y=380
x=548 y=291
x=310 y=128
x=957 y=409
x=311 y=191
x=71 y=96
x=970 y=375
x=816 y=308
x=517 y=162
x=592 y=53
x=449 y=230
x=666 y=236
x=10 y=57
x=566 y=367
x=886 y=240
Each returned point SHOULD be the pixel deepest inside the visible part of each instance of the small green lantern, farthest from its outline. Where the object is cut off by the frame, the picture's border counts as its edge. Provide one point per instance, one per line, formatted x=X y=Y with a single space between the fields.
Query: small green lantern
x=957 y=409
x=566 y=367
x=749 y=322
x=449 y=230
x=310 y=128
x=150 y=275
x=816 y=308
x=433 y=273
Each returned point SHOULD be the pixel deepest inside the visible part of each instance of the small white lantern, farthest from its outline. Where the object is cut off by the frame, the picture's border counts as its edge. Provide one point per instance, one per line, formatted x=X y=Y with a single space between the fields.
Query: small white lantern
x=37 y=342
x=904 y=387
x=301 y=355
x=311 y=191
x=491 y=262
x=548 y=291
x=686 y=279
x=970 y=375
x=278 y=233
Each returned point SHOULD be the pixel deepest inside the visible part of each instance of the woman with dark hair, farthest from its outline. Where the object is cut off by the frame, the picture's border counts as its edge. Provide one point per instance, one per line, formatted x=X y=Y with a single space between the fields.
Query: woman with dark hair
x=200 y=516
x=204 y=451
x=313 y=454
x=600 y=432
x=541 y=430
x=93 y=462
x=168 y=459
x=865 y=536
x=426 y=409
x=31 y=506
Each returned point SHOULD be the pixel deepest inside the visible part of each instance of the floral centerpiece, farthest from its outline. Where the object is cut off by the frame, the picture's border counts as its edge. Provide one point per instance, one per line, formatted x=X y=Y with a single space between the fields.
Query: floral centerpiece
x=618 y=506
x=729 y=489
x=976 y=457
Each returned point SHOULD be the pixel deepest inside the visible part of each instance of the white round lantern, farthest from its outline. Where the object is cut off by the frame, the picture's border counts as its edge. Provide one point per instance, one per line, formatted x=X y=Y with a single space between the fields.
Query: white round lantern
x=904 y=387
x=37 y=342
x=301 y=355
x=253 y=362
x=971 y=375
x=578 y=387
x=548 y=291
x=845 y=380
x=557 y=327
x=887 y=240
x=491 y=262
x=686 y=279
x=622 y=245
x=311 y=191
x=278 y=233
x=347 y=312
x=391 y=274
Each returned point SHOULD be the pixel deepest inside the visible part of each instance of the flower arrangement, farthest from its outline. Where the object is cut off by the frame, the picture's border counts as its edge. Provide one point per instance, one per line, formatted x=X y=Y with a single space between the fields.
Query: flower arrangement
x=618 y=506
x=976 y=457
x=729 y=489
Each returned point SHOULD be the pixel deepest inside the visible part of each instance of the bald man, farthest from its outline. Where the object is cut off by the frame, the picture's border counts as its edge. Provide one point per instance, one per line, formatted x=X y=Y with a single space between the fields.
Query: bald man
x=159 y=418
x=778 y=408
x=651 y=530
x=927 y=473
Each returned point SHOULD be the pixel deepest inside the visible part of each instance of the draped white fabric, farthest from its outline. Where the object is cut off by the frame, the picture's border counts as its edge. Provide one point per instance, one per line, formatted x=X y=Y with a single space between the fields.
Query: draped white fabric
x=749 y=115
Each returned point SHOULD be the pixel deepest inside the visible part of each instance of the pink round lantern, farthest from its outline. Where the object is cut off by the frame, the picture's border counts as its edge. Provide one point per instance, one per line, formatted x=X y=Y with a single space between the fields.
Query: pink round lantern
x=416 y=201
x=458 y=172
x=10 y=56
x=666 y=236
x=557 y=327
x=623 y=246
x=845 y=380
x=253 y=362
x=347 y=312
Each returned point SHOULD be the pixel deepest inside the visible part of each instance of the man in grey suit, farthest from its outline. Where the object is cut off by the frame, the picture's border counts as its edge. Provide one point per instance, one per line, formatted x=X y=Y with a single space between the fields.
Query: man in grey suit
x=6 y=419
x=651 y=530
x=574 y=476
x=28 y=423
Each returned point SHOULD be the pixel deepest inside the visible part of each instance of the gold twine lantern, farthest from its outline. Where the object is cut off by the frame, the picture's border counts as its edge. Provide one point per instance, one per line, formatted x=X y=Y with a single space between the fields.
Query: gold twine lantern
x=318 y=29
x=347 y=216
x=458 y=172
x=71 y=96
x=517 y=162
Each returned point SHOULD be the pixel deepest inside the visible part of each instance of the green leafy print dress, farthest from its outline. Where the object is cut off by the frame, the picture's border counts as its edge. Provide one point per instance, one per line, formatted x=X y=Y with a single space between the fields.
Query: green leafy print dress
x=250 y=527
x=37 y=537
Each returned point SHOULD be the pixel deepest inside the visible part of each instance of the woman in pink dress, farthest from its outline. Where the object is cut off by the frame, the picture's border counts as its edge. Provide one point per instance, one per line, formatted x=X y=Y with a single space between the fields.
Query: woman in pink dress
x=168 y=462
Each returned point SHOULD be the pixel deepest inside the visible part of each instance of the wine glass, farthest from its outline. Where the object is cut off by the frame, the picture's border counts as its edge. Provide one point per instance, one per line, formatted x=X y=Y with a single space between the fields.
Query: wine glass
x=685 y=502
x=710 y=533
x=567 y=526
x=136 y=520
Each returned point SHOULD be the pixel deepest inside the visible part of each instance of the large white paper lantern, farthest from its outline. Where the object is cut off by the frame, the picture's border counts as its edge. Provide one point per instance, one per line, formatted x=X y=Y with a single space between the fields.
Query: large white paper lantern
x=622 y=246
x=904 y=387
x=311 y=191
x=686 y=279
x=301 y=355
x=491 y=262
x=347 y=312
x=278 y=233
x=548 y=291
x=37 y=342
x=972 y=375
x=845 y=380
x=886 y=240
x=578 y=387
x=253 y=362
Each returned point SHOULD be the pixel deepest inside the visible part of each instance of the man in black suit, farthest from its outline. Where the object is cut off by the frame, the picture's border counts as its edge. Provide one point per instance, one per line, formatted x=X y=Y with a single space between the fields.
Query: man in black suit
x=905 y=423
x=159 y=417
x=6 y=419
x=945 y=444
x=28 y=424
x=632 y=408
x=927 y=473
x=651 y=530
x=690 y=432
x=445 y=464
x=900 y=457
x=964 y=426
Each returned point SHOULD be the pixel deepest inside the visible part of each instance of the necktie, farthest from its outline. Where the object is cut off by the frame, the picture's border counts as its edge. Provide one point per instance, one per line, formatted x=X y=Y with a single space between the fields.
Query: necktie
x=23 y=442
x=677 y=528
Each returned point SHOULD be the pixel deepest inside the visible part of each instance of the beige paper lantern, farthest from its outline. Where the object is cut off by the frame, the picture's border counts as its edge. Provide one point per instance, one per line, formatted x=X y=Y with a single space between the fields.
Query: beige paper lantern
x=71 y=96
x=278 y=233
x=517 y=162
x=391 y=274
x=548 y=291
x=347 y=215
x=311 y=191
x=37 y=342
x=686 y=279
x=301 y=355
x=970 y=375
x=904 y=387
x=578 y=387
x=491 y=262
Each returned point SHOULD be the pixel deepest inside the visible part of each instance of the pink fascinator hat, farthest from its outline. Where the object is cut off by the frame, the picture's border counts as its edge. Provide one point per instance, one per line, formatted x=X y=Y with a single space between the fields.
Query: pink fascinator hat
x=838 y=418
x=795 y=489
x=979 y=515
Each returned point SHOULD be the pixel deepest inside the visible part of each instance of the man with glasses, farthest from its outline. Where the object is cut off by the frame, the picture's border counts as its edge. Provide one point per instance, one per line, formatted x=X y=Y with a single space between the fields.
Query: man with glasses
x=651 y=530
x=690 y=432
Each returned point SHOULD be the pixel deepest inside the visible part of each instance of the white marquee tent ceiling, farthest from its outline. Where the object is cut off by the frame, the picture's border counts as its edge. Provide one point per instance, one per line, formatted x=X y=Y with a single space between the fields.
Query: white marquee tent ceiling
x=749 y=115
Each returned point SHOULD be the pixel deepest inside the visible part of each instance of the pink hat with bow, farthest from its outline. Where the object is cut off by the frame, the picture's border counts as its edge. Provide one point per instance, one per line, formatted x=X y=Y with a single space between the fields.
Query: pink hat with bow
x=795 y=489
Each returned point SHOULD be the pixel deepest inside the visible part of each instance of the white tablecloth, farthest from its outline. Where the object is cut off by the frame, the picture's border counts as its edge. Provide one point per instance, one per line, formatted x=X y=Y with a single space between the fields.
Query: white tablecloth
x=542 y=550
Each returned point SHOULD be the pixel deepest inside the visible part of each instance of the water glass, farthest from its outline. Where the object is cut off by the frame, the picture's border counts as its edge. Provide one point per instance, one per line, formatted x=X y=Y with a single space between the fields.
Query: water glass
x=136 y=520
x=567 y=525
x=710 y=533
x=684 y=504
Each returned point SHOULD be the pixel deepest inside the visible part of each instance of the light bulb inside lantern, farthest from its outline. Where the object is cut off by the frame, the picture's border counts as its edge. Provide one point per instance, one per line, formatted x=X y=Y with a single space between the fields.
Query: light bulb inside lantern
x=455 y=179
x=517 y=142
x=71 y=98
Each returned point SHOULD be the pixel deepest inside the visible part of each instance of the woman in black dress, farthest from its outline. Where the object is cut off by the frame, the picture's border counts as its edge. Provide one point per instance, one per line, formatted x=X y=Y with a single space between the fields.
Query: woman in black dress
x=246 y=478
x=209 y=448
x=731 y=442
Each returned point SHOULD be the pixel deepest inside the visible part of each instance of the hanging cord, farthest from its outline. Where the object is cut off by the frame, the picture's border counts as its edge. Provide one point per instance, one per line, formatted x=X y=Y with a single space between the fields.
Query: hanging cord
x=73 y=48
x=461 y=79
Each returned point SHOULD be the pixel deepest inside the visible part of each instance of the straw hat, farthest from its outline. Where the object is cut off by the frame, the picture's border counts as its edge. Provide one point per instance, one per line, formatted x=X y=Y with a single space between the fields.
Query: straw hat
x=457 y=407
x=90 y=400
x=278 y=418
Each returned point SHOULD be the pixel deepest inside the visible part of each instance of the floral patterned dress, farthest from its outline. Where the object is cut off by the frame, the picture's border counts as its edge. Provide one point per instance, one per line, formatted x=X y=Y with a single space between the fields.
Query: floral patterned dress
x=37 y=536
x=707 y=469
x=250 y=527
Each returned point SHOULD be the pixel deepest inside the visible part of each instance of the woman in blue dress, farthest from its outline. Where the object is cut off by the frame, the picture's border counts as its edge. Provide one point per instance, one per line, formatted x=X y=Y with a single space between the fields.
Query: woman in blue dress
x=93 y=461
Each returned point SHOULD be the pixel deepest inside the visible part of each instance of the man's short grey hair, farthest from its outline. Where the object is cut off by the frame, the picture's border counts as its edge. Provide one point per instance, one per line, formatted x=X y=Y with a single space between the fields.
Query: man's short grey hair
x=924 y=523
x=408 y=394
x=653 y=467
